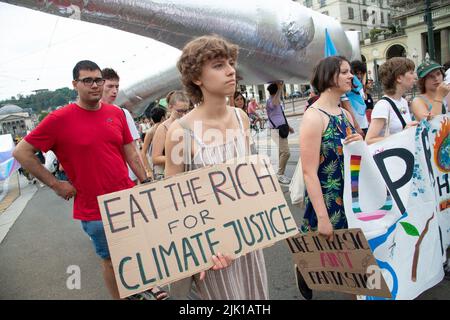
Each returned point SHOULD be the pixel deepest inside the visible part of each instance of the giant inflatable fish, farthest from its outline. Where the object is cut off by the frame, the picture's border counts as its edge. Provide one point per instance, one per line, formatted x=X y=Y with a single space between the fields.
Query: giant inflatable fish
x=278 y=39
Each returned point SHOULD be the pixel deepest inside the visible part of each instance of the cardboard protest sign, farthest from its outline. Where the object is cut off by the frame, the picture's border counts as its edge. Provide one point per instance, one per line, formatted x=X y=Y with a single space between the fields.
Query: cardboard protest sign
x=345 y=264
x=390 y=193
x=168 y=230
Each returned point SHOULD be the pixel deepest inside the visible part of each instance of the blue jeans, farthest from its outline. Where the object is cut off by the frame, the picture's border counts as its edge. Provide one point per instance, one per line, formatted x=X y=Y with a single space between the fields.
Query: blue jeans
x=96 y=232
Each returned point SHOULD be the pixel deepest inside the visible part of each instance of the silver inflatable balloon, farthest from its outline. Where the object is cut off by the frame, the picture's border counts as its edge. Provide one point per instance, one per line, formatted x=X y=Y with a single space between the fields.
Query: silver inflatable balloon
x=278 y=39
x=139 y=95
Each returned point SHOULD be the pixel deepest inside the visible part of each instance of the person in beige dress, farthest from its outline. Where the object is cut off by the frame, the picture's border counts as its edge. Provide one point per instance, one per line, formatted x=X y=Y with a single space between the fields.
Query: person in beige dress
x=207 y=67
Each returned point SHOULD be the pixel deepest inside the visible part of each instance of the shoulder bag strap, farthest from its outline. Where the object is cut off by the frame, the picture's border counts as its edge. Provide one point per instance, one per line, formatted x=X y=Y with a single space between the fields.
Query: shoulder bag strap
x=282 y=111
x=397 y=112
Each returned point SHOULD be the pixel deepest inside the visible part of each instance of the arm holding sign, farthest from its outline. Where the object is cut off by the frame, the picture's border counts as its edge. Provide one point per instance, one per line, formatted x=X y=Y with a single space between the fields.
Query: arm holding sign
x=310 y=140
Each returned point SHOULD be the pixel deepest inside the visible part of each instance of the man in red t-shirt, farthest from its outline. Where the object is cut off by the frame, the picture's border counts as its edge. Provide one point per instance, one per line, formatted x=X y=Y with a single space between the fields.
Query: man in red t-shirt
x=92 y=142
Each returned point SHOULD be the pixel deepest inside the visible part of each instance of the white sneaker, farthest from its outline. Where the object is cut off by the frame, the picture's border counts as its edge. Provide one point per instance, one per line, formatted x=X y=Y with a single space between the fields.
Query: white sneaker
x=283 y=179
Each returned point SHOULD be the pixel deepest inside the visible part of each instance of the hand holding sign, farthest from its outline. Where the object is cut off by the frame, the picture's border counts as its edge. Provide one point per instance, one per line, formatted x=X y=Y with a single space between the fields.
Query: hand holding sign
x=220 y=262
x=325 y=228
x=352 y=138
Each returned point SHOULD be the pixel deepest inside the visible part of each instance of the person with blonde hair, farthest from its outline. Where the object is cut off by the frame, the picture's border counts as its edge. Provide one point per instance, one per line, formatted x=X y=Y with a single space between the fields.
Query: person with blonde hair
x=178 y=106
x=207 y=67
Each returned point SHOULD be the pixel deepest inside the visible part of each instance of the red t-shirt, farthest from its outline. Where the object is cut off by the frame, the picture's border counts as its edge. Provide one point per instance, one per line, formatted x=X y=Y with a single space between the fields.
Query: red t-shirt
x=89 y=146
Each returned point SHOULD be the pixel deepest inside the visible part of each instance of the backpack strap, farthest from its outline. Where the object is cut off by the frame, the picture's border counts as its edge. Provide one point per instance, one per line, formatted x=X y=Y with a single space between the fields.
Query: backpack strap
x=397 y=112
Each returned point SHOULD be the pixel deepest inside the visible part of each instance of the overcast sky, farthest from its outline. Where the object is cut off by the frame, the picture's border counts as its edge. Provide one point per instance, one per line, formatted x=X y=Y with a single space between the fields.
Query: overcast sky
x=39 y=51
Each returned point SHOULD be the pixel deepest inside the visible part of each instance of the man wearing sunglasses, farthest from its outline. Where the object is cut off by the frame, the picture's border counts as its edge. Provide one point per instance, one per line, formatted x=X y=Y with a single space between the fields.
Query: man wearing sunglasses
x=92 y=141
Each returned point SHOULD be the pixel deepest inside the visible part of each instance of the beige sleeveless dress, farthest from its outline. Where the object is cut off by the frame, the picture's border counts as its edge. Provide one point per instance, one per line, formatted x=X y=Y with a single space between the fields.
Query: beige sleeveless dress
x=246 y=278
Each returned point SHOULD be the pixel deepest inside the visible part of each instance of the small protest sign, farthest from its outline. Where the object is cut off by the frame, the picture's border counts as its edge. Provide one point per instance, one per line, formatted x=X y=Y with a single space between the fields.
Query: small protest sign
x=345 y=264
x=165 y=231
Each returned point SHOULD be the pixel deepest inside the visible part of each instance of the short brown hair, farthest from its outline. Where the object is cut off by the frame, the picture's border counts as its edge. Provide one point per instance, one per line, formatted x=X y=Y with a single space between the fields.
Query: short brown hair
x=391 y=70
x=421 y=82
x=193 y=57
x=110 y=74
x=325 y=72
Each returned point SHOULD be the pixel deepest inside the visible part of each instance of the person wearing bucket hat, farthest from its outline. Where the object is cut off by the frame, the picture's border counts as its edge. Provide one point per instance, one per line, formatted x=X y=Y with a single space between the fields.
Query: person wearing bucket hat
x=433 y=90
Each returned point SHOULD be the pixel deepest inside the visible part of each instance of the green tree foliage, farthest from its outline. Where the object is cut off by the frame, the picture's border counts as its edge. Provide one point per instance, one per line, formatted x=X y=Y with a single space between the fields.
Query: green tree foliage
x=43 y=100
x=374 y=33
x=42 y=115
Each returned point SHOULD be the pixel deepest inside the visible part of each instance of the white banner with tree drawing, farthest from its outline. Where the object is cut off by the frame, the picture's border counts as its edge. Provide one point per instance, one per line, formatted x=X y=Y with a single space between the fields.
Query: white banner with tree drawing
x=397 y=192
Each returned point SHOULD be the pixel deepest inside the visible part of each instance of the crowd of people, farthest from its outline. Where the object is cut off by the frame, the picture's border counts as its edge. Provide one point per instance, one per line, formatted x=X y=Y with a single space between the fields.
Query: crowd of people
x=95 y=140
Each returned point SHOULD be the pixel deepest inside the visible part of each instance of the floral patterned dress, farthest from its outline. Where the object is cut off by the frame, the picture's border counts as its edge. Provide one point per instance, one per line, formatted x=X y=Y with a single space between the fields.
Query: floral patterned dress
x=331 y=174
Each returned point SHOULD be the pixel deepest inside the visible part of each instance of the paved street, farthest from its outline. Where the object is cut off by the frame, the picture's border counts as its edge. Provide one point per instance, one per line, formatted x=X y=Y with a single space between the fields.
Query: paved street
x=45 y=241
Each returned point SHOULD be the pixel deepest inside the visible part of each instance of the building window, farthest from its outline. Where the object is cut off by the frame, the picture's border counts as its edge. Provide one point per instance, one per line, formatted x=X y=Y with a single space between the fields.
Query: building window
x=365 y=15
x=322 y=3
x=308 y=3
x=389 y=19
x=351 y=13
x=382 y=17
